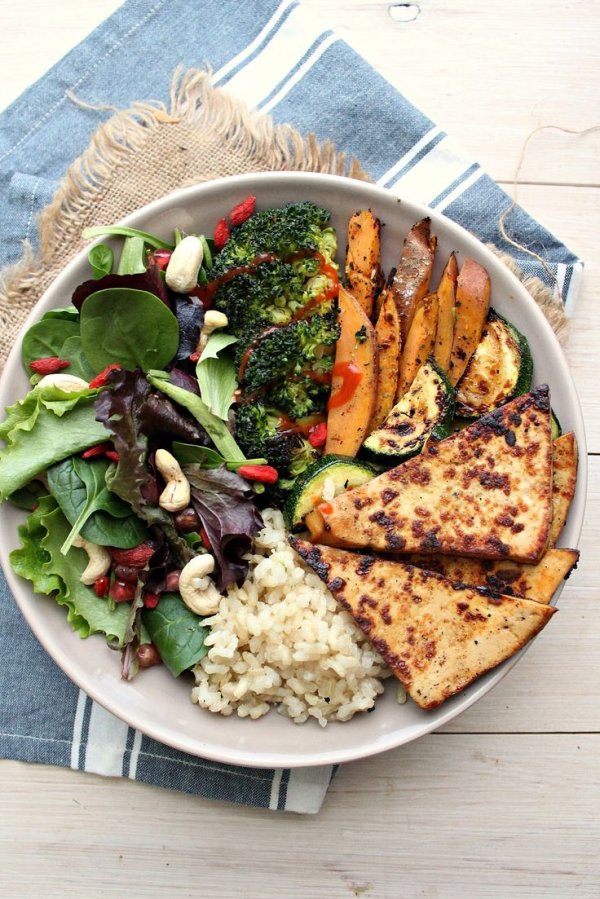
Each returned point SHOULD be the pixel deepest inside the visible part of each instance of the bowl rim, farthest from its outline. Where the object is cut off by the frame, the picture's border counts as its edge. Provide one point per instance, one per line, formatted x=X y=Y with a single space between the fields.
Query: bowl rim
x=270 y=759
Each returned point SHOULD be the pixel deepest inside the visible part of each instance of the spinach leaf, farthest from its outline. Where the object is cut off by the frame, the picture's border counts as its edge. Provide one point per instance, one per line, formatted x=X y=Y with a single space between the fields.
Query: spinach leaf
x=125 y=231
x=216 y=429
x=69 y=313
x=28 y=497
x=132 y=260
x=80 y=488
x=46 y=338
x=101 y=259
x=72 y=349
x=130 y=327
x=39 y=560
x=176 y=632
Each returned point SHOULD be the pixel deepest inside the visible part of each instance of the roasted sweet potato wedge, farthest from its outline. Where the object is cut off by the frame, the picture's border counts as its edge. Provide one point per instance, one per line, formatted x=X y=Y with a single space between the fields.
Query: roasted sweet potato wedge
x=446 y=293
x=354 y=384
x=363 y=268
x=419 y=342
x=410 y=282
x=387 y=333
x=472 y=307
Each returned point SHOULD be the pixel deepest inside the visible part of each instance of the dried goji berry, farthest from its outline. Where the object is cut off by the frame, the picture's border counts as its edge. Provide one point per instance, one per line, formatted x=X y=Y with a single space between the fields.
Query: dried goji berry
x=101 y=378
x=138 y=556
x=112 y=455
x=221 y=235
x=243 y=210
x=317 y=435
x=264 y=474
x=49 y=365
x=194 y=357
x=162 y=257
x=97 y=450
x=205 y=539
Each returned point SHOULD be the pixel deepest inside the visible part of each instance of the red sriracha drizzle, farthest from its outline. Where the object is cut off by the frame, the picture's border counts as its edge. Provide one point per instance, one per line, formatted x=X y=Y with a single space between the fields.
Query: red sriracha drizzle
x=351 y=375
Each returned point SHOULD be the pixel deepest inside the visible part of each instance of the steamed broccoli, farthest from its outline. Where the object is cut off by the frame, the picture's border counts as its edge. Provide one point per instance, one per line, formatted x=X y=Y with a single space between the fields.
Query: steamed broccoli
x=280 y=247
x=258 y=431
x=281 y=231
x=302 y=348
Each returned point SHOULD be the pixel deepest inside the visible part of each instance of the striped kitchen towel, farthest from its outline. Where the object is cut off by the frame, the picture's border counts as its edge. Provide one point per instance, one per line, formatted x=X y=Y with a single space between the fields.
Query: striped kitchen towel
x=281 y=59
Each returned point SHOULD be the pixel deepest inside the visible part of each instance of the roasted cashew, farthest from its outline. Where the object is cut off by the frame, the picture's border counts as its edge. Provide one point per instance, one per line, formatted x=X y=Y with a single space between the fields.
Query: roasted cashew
x=68 y=383
x=182 y=271
x=176 y=495
x=197 y=590
x=99 y=560
x=213 y=319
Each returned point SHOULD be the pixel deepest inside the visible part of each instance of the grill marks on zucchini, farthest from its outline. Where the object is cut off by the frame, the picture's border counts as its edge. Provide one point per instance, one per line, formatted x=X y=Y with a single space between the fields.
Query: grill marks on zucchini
x=342 y=472
x=426 y=410
x=500 y=369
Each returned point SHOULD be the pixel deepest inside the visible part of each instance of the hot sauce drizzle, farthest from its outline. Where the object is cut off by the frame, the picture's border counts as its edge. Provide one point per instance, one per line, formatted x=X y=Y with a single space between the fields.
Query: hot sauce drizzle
x=351 y=375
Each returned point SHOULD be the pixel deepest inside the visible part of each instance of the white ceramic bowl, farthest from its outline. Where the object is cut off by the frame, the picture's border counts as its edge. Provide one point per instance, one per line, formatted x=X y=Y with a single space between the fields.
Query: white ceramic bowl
x=156 y=703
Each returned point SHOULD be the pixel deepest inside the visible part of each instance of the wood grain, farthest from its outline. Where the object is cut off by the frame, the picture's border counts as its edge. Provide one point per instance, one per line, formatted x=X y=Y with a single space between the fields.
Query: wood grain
x=504 y=801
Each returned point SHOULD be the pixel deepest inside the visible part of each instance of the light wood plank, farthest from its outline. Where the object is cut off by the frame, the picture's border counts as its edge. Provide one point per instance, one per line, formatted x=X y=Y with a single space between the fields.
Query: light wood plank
x=477 y=68
x=486 y=816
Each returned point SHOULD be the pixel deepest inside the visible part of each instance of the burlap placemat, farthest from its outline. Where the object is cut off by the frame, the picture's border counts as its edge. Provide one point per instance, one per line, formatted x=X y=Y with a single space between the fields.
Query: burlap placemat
x=143 y=153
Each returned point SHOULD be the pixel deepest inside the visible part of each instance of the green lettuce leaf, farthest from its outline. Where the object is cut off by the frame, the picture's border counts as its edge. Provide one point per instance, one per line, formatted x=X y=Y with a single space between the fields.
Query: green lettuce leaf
x=47 y=425
x=40 y=561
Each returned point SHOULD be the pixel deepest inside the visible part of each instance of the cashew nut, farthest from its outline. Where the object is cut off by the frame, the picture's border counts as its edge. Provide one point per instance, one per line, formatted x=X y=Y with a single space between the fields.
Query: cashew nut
x=182 y=271
x=176 y=495
x=68 y=383
x=212 y=321
x=197 y=590
x=99 y=560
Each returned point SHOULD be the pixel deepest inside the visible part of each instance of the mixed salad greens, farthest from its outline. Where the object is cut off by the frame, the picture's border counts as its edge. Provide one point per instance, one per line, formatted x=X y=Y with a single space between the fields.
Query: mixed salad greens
x=183 y=389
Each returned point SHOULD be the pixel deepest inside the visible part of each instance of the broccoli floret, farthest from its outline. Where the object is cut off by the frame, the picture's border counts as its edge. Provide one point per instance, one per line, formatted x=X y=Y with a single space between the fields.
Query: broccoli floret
x=302 y=348
x=258 y=433
x=300 y=397
x=281 y=231
x=287 y=240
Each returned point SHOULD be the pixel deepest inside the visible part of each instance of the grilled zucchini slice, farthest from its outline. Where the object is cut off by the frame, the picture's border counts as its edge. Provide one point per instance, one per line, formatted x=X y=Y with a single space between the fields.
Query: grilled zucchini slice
x=500 y=369
x=426 y=410
x=327 y=477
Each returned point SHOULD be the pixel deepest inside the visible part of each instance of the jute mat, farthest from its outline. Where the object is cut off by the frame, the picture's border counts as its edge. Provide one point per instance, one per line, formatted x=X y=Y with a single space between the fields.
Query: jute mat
x=143 y=153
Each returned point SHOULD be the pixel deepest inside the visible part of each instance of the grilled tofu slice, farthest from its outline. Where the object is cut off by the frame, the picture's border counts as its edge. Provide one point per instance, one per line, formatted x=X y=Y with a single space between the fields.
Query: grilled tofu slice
x=483 y=492
x=564 y=457
x=435 y=636
x=538 y=582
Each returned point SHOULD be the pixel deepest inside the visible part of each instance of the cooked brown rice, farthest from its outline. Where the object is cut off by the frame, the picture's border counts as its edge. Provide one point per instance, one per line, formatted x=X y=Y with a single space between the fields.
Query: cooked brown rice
x=281 y=640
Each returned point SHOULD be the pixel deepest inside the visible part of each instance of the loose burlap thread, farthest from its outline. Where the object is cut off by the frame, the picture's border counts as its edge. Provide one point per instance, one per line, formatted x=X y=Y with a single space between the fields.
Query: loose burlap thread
x=143 y=153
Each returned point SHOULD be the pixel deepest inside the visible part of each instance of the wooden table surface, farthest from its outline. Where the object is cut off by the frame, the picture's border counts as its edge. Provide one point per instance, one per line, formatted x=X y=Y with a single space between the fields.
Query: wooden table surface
x=505 y=800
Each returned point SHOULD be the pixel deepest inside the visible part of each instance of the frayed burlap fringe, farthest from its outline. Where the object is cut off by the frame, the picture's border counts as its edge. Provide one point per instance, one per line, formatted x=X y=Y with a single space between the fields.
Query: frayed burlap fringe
x=149 y=150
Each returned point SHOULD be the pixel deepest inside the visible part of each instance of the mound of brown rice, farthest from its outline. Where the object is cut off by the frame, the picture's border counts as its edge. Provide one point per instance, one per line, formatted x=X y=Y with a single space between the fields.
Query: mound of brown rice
x=281 y=640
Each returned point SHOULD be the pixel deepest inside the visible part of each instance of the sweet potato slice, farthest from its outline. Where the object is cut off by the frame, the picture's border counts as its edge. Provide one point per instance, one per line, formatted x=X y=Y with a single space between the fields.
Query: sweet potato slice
x=387 y=332
x=446 y=293
x=363 y=268
x=419 y=342
x=354 y=384
x=472 y=306
x=411 y=280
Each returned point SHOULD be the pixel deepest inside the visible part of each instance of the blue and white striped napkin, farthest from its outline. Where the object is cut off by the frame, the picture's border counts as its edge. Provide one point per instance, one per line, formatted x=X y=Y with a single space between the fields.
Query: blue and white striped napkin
x=282 y=60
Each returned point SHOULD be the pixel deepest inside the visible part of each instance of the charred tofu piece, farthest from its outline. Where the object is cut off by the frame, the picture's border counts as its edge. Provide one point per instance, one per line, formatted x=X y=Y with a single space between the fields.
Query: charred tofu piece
x=538 y=582
x=564 y=479
x=436 y=636
x=483 y=492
